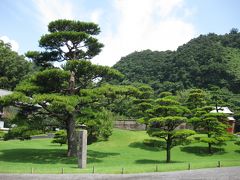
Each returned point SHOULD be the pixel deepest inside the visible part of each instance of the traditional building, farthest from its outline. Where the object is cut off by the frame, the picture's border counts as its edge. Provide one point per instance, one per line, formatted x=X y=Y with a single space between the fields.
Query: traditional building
x=230 y=118
x=3 y=93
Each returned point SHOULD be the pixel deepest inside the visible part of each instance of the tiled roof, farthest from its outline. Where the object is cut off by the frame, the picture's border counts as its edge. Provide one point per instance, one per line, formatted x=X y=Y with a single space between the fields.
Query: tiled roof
x=4 y=92
x=231 y=118
x=224 y=110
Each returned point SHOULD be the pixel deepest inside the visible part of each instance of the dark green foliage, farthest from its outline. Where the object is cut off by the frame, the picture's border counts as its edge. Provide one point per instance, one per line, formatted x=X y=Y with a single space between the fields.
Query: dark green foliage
x=143 y=66
x=59 y=93
x=165 y=116
x=117 y=99
x=232 y=39
x=87 y=73
x=53 y=98
x=51 y=80
x=196 y=98
x=214 y=125
x=21 y=133
x=237 y=142
x=99 y=123
x=141 y=103
x=206 y=61
x=67 y=40
x=225 y=98
x=60 y=137
x=13 y=67
x=40 y=58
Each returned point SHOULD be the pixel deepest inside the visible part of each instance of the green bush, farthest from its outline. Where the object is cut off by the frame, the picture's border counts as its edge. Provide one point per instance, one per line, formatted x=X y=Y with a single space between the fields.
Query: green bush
x=60 y=137
x=99 y=124
x=20 y=132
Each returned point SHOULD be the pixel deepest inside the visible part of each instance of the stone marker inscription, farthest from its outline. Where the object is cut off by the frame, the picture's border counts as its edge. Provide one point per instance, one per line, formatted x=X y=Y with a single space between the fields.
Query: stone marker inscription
x=82 y=148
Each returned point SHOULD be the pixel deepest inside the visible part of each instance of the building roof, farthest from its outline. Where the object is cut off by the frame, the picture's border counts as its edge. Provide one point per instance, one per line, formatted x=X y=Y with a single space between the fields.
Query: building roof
x=4 y=92
x=231 y=119
x=224 y=110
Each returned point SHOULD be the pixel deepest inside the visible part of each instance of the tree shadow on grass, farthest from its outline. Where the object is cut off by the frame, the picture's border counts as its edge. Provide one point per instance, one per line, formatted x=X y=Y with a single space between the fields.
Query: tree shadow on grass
x=202 y=151
x=159 y=146
x=49 y=156
x=151 y=161
x=95 y=156
x=37 y=156
x=237 y=151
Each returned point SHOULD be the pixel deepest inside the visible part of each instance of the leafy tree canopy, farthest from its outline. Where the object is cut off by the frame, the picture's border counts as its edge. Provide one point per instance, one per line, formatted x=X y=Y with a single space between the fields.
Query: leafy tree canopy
x=203 y=62
x=165 y=116
x=67 y=40
x=13 y=67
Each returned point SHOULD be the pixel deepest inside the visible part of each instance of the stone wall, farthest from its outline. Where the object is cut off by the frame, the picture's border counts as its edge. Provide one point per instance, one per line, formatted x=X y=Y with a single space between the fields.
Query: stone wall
x=129 y=124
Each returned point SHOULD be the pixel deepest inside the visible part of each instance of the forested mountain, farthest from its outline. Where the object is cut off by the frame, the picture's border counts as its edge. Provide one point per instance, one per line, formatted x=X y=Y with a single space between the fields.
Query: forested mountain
x=204 y=62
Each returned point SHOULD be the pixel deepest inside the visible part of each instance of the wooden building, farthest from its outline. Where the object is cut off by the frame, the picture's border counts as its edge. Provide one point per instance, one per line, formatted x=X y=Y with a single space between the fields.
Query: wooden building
x=230 y=118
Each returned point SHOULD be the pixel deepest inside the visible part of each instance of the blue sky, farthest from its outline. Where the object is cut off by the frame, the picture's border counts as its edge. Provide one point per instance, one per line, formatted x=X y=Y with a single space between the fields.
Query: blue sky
x=127 y=25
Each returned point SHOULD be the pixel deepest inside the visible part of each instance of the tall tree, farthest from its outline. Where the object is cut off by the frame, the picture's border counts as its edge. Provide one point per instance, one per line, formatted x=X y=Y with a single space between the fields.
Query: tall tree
x=59 y=91
x=67 y=40
x=13 y=67
x=213 y=125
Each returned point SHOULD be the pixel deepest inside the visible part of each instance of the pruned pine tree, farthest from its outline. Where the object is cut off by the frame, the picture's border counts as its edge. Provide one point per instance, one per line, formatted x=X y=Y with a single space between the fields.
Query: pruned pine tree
x=166 y=116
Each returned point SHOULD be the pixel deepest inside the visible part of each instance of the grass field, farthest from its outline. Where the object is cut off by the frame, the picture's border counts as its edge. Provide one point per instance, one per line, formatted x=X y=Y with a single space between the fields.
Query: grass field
x=125 y=149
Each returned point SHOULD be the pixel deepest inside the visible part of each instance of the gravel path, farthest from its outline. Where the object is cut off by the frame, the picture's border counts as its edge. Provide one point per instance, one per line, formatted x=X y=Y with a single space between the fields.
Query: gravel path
x=228 y=173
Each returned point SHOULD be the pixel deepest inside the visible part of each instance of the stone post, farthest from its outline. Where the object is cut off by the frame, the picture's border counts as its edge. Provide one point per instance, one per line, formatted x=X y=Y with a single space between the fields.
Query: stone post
x=82 y=148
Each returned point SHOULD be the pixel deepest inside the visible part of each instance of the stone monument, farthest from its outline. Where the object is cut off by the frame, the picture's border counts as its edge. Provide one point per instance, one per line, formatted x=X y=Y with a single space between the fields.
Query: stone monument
x=82 y=148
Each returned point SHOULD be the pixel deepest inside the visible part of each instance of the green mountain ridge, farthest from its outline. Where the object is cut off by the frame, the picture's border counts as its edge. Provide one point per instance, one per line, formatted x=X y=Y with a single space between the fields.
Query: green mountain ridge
x=204 y=62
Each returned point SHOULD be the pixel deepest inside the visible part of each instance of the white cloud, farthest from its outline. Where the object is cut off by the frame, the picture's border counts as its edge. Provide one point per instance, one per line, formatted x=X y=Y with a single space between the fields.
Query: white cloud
x=49 y=10
x=13 y=43
x=131 y=25
x=96 y=15
x=146 y=24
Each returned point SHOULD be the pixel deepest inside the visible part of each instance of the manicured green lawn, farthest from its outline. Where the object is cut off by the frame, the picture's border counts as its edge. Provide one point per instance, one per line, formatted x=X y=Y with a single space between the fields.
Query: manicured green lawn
x=125 y=149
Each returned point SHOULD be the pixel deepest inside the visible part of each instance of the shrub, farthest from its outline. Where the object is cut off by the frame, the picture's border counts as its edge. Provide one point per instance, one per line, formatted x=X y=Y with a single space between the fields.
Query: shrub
x=60 y=137
x=99 y=124
x=20 y=132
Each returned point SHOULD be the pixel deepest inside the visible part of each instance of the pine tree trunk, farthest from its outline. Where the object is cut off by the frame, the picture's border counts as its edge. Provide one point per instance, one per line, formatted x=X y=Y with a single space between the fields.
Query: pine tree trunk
x=168 y=150
x=209 y=145
x=70 y=123
x=71 y=137
x=209 y=148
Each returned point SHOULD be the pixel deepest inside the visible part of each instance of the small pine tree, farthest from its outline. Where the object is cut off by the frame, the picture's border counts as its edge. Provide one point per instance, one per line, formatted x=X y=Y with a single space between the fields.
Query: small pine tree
x=167 y=115
x=60 y=137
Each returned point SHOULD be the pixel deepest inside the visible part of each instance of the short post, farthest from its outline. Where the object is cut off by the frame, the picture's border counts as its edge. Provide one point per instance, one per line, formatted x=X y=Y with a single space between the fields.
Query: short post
x=82 y=148
x=32 y=170
x=219 y=164
x=93 y=170
x=189 y=166
x=156 y=168
x=62 y=170
x=122 y=170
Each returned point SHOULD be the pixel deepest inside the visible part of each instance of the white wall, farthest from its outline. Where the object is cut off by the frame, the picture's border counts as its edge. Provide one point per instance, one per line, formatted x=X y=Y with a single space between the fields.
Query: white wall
x=1 y=124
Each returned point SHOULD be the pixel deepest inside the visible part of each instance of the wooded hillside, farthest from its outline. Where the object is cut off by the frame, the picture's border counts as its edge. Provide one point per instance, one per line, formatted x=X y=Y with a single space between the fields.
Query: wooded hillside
x=204 y=62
